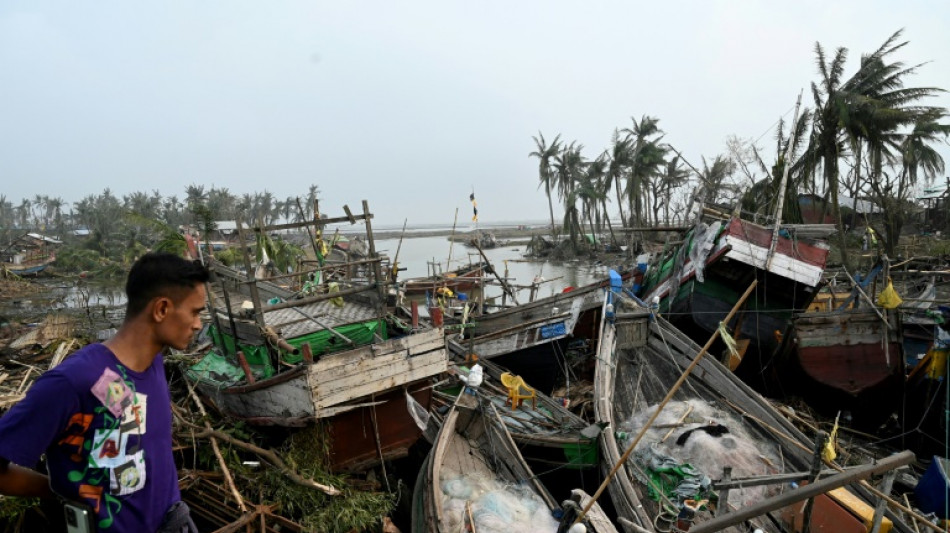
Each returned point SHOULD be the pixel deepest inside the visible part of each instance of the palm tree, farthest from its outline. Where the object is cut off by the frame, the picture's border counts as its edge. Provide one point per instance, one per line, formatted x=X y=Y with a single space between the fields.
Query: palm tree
x=569 y=166
x=590 y=191
x=714 y=176
x=621 y=159
x=673 y=175
x=545 y=153
x=917 y=157
x=648 y=155
x=869 y=109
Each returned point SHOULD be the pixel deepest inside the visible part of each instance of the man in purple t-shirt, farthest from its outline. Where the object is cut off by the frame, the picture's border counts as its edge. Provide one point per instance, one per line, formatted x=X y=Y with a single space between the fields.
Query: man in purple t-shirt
x=103 y=417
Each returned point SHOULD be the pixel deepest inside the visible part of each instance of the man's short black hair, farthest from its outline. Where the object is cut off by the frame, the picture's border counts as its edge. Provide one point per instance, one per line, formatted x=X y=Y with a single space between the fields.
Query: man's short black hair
x=160 y=274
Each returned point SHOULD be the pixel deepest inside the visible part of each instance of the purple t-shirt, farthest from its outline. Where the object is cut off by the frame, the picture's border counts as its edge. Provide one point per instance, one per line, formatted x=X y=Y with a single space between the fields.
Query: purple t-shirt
x=107 y=435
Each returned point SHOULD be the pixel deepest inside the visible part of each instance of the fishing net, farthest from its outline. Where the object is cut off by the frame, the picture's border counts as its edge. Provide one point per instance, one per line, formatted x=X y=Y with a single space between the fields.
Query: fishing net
x=676 y=453
x=495 y=506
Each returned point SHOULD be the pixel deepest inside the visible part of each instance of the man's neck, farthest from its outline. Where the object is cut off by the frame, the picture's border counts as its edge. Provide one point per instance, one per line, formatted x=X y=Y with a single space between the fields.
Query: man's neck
x=134 y=346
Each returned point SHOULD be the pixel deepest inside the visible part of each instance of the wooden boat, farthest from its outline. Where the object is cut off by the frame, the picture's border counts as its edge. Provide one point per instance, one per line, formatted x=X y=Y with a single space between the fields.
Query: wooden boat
x=846 y=360
x=462 y=279
x=28 y=255
x=30 y=268
x=697 y=283
x=639 y=358
x=536 y=323
x=543 y=428
x=336 y=357
x=474 y=445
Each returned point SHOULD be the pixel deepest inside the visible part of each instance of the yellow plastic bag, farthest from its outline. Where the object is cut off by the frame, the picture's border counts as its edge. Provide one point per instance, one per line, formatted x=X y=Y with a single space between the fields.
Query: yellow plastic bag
x=889 y=299
x=334 y=288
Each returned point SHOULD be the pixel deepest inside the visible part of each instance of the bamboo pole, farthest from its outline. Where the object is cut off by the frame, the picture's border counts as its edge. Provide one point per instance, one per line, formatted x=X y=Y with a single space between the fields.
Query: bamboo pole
x=504 y=284
x=659 y=408
x=448 y=262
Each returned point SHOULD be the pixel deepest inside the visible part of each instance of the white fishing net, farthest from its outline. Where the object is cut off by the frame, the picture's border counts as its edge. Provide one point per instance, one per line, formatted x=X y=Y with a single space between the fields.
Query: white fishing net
x=709 y=449
x=495 y=506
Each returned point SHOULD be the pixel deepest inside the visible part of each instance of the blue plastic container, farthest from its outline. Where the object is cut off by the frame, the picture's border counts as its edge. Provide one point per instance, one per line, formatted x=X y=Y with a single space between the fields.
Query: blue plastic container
x=933 y=488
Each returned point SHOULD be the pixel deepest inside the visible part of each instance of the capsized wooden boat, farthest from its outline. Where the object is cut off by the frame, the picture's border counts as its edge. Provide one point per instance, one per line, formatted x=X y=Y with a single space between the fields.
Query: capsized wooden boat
x=639 y=358
x=698 y=282
x=474 y=473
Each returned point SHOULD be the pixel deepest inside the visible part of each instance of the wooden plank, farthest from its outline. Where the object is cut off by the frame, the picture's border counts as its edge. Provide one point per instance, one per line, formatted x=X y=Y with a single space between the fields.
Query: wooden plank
x=314 y=299
x=365 y=364
x=417 y=341
x=295 y=225
x=362 y=384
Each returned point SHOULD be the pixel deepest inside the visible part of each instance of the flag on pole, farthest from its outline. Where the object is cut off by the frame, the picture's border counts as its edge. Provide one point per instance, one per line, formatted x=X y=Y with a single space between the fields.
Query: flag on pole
x=474 y=207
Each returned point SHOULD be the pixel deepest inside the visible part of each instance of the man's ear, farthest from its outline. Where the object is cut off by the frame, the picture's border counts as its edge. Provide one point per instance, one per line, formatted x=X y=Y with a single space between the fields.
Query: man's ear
x=161 y=307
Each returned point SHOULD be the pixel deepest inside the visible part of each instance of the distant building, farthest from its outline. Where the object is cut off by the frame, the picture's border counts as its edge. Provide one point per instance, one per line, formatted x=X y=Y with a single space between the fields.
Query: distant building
x=935 y=203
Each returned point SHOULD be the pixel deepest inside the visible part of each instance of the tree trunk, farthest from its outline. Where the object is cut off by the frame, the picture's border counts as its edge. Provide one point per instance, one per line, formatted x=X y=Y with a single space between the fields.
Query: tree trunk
x=547 y=190
x=831 y=179
x=623 y=221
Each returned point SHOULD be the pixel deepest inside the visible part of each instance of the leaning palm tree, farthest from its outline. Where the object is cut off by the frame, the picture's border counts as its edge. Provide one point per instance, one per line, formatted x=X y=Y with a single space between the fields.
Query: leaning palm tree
x=867 y=109
x=545 y=153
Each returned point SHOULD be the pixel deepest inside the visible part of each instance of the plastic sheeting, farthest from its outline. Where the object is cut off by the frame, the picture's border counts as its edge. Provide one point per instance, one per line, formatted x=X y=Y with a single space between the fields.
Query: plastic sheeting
x=496 y=506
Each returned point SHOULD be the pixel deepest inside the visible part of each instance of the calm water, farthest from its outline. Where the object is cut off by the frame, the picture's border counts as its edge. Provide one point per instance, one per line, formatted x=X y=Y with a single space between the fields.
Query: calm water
x=415 y=256
x=416 y=253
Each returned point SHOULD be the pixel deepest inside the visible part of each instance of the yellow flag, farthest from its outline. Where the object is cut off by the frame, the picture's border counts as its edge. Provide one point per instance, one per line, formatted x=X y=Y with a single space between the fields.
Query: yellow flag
x=829 y=453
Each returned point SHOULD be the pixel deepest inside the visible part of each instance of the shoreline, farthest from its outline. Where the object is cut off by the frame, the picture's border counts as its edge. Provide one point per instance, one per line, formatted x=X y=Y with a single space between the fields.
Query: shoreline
x=460 y=236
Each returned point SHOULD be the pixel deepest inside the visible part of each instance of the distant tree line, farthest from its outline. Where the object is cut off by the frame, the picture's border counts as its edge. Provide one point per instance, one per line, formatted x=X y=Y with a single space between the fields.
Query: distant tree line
x=122 y=228
x=868 y=135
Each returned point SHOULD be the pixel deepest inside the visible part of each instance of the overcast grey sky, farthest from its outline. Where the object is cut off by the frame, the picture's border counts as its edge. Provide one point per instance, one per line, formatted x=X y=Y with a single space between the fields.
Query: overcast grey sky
x=406 y=104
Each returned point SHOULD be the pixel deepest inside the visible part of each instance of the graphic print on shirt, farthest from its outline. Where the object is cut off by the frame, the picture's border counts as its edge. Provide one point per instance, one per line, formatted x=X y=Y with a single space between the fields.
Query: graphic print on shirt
x=115 y=463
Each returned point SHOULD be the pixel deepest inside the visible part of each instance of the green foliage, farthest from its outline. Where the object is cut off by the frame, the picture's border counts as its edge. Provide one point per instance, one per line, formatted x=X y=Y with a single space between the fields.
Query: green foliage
x=77 y=258
x=306 y=451
x=230 y=256
x=282 y=254
x=12 y=508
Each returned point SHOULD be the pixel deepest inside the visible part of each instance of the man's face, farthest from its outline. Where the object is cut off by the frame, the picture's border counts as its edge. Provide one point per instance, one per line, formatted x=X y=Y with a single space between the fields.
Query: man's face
x=181 y=320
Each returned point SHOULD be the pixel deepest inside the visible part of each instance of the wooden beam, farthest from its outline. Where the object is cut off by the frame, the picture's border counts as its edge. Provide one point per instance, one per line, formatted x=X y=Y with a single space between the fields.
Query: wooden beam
x=315 y=299
x=790 y=497
x=295 y=225
x=653 y=228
